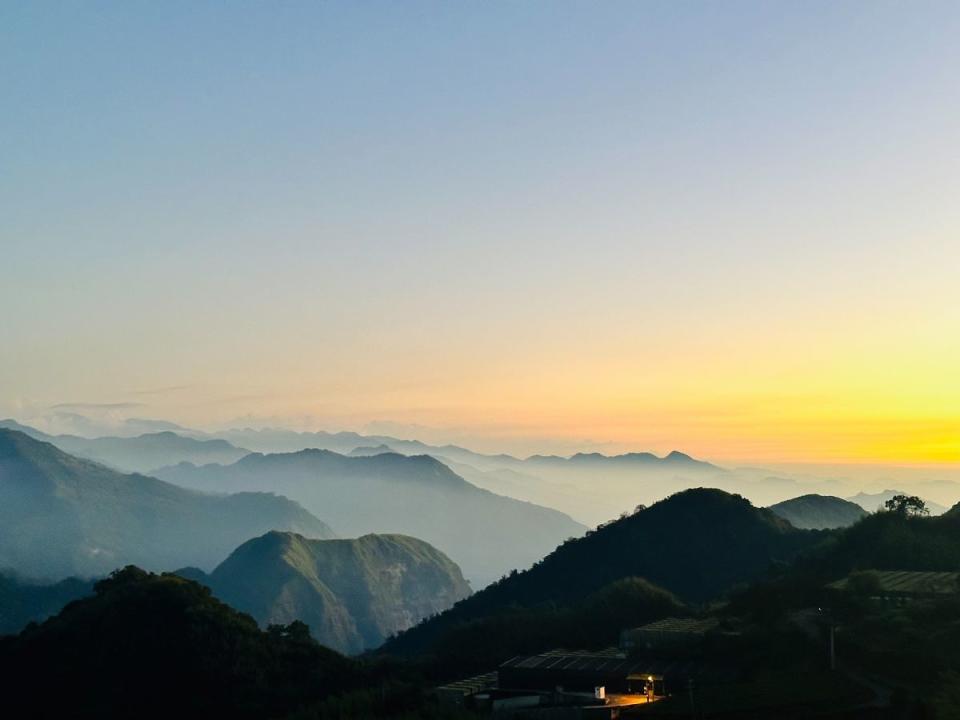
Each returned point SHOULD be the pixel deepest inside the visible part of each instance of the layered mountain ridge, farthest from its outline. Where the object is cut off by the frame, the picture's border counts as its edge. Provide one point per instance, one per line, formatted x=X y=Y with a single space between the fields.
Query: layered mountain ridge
x=61 y=516
x=486 y=534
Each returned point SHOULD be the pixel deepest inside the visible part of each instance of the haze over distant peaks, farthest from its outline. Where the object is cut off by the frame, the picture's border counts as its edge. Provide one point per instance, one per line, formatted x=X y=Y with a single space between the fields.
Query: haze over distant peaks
x=368 y=451
x=142 y=453
x=871 y=502
x=819 y=512
x=61 y=515
x=674 y=458
x=276 y=440
x=486 y=534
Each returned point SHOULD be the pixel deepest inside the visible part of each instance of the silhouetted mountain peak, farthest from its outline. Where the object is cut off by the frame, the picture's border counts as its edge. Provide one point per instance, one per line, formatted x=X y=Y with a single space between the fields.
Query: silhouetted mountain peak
x=696 y=543
x=639 y=459
x=368 y=450
x=819 y=512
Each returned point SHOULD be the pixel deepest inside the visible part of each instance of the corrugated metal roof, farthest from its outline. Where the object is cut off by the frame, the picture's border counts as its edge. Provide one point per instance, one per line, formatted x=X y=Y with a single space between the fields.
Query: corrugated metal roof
x=600 y=664
x=681 y=625
x=471 y=685
x=909 y=582
x=605 y=664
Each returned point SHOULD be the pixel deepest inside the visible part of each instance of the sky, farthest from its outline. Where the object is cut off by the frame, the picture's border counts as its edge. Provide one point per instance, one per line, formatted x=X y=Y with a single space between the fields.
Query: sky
x=726 y=228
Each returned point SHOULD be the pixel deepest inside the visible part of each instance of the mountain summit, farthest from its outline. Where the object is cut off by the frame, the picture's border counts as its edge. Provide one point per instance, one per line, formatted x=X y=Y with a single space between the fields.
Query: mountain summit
x=352 y=593
x=819 y=512
x=696 y=544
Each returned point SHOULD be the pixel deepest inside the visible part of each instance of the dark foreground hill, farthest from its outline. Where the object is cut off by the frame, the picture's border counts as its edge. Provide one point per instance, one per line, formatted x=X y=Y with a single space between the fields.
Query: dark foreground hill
x=893 y=541
x=819 y=512
x=487 y=535
x=352 y=593
x=153 y=646
x=62 y=516
x=696 y=544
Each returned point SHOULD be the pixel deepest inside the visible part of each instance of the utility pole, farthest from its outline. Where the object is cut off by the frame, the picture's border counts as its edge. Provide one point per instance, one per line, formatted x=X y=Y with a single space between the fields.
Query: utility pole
x=833 y=649
x=693 y=708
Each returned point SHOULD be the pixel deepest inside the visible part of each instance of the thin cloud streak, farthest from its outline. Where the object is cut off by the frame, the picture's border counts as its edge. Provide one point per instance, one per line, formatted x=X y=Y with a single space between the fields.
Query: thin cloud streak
x=98 y=406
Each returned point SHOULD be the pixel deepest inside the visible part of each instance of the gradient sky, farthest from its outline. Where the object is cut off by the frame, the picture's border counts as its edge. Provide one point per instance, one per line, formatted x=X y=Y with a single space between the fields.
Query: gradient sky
x=731 y=228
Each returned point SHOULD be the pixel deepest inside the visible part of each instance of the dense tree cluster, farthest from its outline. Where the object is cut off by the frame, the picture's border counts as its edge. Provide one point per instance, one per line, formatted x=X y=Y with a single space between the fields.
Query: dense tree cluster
x=906 y=505
x=148 y=645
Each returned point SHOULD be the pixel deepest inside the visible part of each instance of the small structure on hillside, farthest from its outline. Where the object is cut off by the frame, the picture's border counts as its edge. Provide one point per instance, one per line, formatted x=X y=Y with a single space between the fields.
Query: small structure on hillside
x=561 y=685
x=582 y=673
x=668 y=634
x=900 y=586
x=461 y=692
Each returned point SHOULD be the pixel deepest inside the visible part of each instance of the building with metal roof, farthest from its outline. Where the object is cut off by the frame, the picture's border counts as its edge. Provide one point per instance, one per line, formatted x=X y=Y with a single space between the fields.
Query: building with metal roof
x=905 y=584
x=671 y=634
x=457 y=693
x=583 y=672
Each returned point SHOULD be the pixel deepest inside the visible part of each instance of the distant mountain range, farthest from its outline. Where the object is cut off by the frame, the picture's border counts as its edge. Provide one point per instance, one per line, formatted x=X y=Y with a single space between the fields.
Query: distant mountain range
x=590 y=487
x=370 y=451
x=345 y=443
x=61 y=516
x=143 y=453
x=280 y=440
x=352 y=593
x=819 y=512
x=674 y=459
x=486 y=534
x=871 y=502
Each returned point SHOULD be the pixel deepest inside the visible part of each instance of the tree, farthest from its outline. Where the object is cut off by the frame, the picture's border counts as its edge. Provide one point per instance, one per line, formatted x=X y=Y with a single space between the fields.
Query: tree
x=906 y=505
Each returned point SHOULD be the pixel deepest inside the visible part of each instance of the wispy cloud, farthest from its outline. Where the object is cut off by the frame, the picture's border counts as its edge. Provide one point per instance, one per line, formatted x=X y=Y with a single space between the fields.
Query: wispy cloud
x=97 y=406
x=161 y=390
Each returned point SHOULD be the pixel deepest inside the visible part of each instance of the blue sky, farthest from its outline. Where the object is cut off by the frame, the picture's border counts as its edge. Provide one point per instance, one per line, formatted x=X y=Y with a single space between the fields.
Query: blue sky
x=523 y=220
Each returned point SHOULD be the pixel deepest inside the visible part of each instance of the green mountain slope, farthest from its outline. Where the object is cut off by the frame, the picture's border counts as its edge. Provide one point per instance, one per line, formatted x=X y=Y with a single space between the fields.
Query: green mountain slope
x=487 y=535
x=696 y=544
x=819 y=512
x=61 y=516
x=352 y=593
